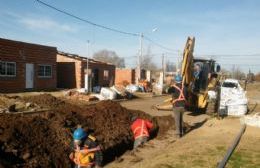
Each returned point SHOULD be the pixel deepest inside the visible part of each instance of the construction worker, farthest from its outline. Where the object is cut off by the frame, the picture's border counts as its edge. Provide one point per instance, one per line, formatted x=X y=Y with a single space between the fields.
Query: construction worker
x=86 y=150
x=140 y=129
x=178 y=102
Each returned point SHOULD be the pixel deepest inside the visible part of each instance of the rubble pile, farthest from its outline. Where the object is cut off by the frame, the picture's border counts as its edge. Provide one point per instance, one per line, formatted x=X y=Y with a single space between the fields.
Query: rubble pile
x=44 y=139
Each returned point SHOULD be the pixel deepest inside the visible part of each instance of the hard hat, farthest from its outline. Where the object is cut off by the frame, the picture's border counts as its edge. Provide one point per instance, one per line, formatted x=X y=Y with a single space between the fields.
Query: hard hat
x=79 y=134
x=178 y=78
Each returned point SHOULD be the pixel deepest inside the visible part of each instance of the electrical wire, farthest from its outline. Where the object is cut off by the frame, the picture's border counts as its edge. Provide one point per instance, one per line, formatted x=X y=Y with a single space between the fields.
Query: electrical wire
x=240 y=64
x=159 y=45
x=87 y=21
x=137 y=35
x=102 y=26
x=229 y=55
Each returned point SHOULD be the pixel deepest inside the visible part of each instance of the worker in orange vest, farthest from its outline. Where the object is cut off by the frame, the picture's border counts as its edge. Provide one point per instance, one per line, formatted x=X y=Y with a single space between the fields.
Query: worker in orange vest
x=140 y=129
x=86 y=151
x=178 y=102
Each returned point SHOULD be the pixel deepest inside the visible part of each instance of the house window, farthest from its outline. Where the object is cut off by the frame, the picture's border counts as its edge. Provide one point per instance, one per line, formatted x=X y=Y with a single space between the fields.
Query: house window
x=45 y=71
x=106 y=74
x=7 y=69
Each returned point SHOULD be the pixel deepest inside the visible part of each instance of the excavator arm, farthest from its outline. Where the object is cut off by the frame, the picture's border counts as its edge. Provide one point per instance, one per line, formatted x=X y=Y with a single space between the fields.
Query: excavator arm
x=186 y=71
x=187 y=62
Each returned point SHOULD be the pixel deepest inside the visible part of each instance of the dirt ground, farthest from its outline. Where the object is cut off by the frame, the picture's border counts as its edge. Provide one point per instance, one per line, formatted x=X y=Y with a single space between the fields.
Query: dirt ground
x=204 y=146
x=44 y=139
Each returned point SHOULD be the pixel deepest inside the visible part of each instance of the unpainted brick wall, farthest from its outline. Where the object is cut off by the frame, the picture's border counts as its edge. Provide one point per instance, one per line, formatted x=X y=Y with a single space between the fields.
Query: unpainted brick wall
x=22 y=53
x=81 y=67
x=125 y=75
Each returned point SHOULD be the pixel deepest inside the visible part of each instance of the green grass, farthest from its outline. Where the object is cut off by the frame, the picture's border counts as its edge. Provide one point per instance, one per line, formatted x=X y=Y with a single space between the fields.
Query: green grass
x=242 y=159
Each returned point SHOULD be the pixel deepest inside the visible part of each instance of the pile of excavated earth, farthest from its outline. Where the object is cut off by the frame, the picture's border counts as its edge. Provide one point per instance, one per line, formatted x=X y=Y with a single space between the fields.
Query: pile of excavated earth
x=44 y=139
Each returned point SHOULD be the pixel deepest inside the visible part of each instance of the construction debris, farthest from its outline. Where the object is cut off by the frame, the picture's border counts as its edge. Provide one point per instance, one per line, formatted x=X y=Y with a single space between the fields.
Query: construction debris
x=76 y=95
x=108 y=94
x=233 y=100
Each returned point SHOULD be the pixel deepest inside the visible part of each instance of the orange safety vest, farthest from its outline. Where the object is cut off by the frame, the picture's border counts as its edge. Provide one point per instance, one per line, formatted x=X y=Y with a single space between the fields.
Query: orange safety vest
x=181 y=96
x=83 y=159
x=140 y=128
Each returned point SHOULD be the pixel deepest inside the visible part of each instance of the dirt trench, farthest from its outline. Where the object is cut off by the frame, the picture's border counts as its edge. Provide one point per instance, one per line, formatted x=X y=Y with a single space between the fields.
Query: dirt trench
x=44 y=140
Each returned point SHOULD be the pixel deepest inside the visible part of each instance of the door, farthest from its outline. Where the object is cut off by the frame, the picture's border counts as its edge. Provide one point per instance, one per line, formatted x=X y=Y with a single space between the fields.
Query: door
x=29 y=76
x=95 y=80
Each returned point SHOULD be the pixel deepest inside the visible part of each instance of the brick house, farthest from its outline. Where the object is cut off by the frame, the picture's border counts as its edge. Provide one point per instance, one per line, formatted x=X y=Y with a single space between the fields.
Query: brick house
x=130 y=75
x=72 y=72
x=125 y=75
x=25 y=66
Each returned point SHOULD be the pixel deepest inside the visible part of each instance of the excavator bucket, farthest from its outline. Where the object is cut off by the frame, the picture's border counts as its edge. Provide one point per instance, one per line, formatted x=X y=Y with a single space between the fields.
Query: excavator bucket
x=167 y=106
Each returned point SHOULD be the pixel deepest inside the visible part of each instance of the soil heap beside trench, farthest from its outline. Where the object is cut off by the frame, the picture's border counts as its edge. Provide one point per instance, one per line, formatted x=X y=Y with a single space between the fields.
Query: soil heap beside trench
x=44 y=139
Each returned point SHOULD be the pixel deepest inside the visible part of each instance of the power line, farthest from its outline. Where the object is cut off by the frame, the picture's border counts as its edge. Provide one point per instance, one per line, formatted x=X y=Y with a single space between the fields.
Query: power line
x=133 y=34
x=102 y=26
x=86 y=21
x=248 y=65
x=159 y=45
x=229 y=55
x=128 y=57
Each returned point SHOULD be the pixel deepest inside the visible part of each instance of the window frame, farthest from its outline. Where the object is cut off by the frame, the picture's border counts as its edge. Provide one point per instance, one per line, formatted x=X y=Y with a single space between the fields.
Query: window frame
x=104 y=76
x=44 y=71
x=6 y=62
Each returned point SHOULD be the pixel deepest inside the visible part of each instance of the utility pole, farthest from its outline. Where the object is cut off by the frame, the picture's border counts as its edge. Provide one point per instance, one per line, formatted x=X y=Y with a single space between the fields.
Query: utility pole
x=163 y=66
x=140 y=56
x=87 y=74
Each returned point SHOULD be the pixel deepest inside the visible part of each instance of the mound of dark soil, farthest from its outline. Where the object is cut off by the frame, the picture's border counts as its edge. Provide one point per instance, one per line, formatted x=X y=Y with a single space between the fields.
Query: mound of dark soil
x=43 y=140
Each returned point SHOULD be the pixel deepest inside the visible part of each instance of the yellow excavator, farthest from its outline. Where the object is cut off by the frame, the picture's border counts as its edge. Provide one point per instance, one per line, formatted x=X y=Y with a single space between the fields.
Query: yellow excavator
x=201 y=77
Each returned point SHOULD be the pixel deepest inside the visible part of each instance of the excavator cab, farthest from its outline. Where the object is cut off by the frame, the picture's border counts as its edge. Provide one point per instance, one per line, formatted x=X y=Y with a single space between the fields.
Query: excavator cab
x=205 y=74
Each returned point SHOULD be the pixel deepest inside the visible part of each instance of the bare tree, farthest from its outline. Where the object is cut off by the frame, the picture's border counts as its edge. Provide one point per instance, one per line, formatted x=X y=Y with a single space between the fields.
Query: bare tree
x=147 y=61
x=110 y=57
x=225 y=73
x=236 y=73
x=170 y=66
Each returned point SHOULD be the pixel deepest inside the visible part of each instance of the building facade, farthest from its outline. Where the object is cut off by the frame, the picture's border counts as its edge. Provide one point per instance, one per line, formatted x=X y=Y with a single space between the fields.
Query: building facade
x=125 y=76
x=26 y=66
x=75 y=71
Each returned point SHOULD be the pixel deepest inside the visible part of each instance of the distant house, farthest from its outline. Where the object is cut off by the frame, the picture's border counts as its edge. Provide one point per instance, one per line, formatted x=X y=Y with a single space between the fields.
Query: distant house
x=26 y=66
x=72 y=72
x=125 y=75
x=129 y=76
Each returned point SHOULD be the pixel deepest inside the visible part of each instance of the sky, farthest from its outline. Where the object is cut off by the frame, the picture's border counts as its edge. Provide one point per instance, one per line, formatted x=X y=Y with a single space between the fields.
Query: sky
x=227 y=31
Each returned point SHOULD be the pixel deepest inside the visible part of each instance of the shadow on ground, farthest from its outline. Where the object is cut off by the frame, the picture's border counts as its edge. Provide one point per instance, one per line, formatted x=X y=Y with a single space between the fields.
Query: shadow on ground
x=196 y=125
